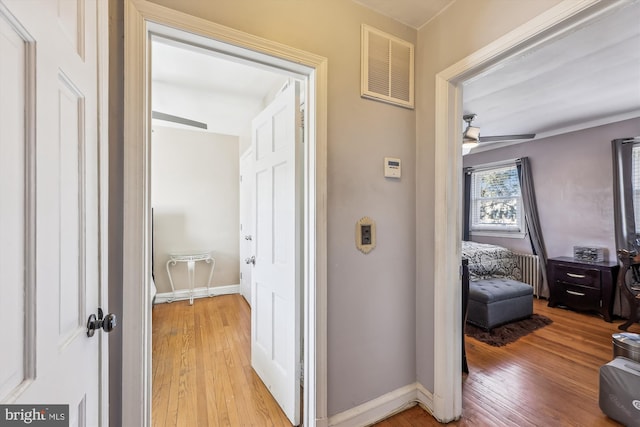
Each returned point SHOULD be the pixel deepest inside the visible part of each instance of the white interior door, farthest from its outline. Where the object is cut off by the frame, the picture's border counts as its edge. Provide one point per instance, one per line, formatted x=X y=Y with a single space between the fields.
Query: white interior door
x=246 y=222
x=49 y=222
x=275 y=283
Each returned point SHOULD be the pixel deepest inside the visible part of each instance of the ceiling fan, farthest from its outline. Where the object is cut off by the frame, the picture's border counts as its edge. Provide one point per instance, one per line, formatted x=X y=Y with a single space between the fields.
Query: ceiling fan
x=471 y=134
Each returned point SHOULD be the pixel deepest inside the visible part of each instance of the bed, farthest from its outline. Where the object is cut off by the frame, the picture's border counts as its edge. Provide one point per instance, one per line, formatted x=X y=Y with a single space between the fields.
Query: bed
x=490 y=261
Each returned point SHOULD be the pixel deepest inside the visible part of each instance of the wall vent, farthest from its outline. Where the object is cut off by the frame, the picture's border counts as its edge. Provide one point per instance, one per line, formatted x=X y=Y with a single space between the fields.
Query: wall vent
x=387 y=68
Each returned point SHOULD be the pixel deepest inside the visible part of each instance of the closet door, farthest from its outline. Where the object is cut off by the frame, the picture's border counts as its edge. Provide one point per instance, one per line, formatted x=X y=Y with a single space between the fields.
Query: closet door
x=49 y=222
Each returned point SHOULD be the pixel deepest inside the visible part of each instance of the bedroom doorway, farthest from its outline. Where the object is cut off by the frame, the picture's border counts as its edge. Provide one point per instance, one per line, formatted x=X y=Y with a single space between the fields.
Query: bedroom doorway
x=448 y=161
x=143 y=20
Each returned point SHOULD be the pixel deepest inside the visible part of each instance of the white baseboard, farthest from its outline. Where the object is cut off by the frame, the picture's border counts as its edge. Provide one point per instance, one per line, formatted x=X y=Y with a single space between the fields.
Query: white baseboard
x=424 y=398
x=377 y=409
x=184 y=294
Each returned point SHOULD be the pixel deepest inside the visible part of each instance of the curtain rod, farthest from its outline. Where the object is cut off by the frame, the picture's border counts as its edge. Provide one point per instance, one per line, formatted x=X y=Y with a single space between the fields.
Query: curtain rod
x=631 y=140
x=492 y=165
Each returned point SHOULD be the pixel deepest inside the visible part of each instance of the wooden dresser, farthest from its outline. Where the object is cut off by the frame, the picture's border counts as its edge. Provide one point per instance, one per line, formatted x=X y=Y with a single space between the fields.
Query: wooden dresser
x=581 y=285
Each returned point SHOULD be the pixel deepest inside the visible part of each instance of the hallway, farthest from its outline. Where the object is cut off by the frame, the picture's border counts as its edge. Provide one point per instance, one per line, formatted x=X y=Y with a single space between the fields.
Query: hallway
x=202 y=373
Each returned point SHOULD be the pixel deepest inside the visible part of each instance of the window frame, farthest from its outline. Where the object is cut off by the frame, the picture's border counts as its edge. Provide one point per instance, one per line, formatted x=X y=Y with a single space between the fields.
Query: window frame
x=495 y=230
x=635 y=189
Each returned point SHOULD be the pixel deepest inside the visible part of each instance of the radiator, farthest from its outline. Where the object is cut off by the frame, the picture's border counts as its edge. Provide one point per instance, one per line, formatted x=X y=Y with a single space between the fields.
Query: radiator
x=530 y=266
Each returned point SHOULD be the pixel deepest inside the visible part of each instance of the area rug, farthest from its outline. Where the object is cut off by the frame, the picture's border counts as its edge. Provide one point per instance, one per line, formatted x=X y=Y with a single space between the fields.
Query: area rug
x=506 y=334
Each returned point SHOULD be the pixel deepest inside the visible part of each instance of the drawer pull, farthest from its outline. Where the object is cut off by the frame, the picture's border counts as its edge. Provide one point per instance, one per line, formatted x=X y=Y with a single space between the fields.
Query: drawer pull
x=580 y=294
x=576 y=276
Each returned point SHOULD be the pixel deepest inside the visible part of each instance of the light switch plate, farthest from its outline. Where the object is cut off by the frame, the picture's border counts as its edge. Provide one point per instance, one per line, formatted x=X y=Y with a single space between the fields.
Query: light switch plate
x=365 y=235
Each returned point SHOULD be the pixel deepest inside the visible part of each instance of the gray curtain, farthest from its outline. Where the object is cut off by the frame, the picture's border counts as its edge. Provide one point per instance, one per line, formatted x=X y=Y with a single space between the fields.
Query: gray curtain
x=532 y=221
x=466 y=209
x=627 y=237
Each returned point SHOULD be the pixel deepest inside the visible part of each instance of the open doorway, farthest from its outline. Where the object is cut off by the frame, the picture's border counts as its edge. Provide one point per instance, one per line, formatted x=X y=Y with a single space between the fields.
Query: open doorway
x=225 y=131
x=449 y=110
x=203 y=105
x=311 y=69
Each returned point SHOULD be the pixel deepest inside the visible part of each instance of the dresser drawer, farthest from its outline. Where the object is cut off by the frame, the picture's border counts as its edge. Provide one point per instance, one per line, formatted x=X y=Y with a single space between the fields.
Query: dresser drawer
x=579 y=297
x=577 y=275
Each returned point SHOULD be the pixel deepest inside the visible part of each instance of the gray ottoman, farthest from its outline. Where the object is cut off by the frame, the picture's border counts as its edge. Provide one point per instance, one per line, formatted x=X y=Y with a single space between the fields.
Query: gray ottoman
x=496 y=301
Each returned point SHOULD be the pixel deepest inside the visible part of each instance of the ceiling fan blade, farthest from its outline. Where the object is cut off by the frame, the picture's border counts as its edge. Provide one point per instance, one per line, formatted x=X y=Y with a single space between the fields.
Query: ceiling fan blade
x=177 y=119
x=498 y=138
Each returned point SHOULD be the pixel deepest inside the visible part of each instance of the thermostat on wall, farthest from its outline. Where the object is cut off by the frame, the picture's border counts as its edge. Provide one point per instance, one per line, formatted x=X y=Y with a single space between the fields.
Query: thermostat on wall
x=392 y=167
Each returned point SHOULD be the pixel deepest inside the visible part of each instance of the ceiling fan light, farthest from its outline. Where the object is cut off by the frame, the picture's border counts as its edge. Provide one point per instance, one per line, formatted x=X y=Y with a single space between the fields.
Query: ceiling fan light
x=471 y=134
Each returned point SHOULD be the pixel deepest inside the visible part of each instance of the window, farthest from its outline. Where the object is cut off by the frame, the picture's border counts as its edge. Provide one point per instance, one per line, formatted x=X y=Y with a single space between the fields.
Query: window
x=496 y=202
x=635 y=179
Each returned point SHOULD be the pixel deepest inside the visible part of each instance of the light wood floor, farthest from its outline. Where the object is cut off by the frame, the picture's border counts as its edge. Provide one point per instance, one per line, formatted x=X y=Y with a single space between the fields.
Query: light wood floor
x=548 y=378
x=202 y=373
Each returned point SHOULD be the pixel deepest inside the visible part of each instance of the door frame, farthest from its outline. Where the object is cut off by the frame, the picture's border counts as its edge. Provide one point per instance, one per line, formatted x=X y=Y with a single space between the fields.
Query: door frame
x=141 y=19
x=243 y=189
x=102 y=32
x=447 y=395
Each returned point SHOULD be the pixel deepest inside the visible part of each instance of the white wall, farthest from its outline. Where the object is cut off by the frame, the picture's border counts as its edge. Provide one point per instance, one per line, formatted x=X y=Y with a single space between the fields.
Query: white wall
x=195 y=198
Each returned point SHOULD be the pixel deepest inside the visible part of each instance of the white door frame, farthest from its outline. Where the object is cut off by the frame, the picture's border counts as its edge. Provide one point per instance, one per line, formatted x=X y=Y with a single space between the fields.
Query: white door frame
x=447 y=396
x=244 y=199
x=103 y=182
x=141 y=17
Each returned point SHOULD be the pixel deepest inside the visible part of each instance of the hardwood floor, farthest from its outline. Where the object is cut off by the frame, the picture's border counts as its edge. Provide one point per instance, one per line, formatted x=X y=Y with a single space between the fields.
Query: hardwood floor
x=548 y=378
x=202 y=374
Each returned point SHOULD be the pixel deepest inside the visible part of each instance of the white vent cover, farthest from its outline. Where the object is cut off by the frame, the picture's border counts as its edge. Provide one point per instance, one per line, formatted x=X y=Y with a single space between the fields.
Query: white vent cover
x=387 y=68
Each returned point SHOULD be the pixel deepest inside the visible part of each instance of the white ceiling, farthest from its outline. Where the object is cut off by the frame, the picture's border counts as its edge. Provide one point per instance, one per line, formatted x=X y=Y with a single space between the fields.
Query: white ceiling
x=588 y=77
x=201 y=85
x=201 y=69
x=414 y=13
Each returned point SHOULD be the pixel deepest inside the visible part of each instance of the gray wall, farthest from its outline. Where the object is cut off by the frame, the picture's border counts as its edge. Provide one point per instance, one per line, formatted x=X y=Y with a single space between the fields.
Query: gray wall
x=371 y=313
x=573 y=177
x=463 y=28
x=380 y=315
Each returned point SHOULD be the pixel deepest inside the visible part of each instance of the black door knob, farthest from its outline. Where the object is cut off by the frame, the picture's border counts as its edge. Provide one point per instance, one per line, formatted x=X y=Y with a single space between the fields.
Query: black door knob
x=107 y=323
